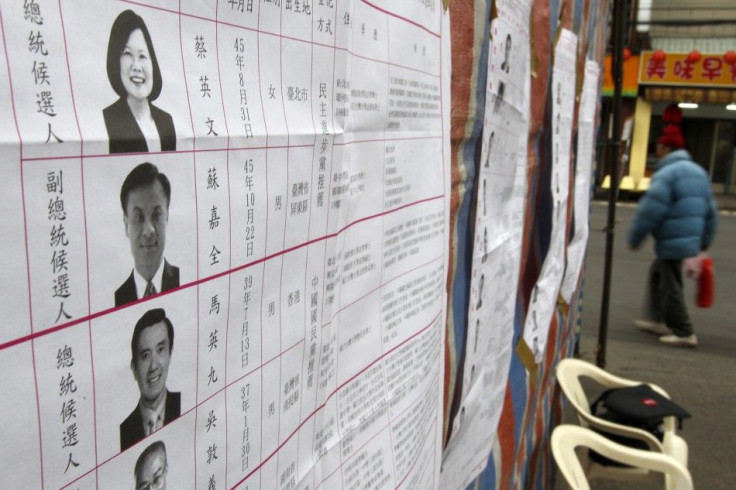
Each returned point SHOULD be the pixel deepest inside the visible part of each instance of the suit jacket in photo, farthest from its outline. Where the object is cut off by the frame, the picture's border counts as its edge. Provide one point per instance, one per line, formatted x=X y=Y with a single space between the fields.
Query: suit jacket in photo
x=131 y=430
x=126 y=137
x=127 y=293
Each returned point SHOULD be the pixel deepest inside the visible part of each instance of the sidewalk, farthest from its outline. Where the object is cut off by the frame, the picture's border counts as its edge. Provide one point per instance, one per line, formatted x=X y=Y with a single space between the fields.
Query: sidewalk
x=726 y=202
x=700 y=379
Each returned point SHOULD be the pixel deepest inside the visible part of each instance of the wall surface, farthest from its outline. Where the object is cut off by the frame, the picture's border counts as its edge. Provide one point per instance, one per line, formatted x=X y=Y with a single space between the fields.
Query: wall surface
x=531 y=406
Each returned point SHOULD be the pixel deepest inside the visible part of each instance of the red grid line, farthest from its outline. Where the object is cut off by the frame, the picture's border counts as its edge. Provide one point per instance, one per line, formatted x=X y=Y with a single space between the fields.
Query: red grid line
x=381 y=285
x=286 y=215
x=174 y=152
x=25 y=232
x=393 y=65
x=240 y=378
x=383 y=222
x=333 y=393
x=386 y=140
x=56 y=328
x=89 y=471
x=277 y=356
x=139 y=443
x=387 y=426
x=290 y=38
x=309 y=227
x=196 y=220
x=228 y=149
x=265 y=242
x=22 y=185
x=230 y=214
x=86 y=244
x=318 y=362
x=443 y=345
x=419 y=452
x=408 y=407
x=396 y=16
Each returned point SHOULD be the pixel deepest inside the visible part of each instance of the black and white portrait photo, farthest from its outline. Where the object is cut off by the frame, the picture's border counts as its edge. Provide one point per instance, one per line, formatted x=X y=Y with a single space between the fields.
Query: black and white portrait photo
x=145 y=197
x=160 y=462
x=151 y=349
x=145 y=380
x=127 y=77
x=151 y=468
x=140 y=227
x=133 y=122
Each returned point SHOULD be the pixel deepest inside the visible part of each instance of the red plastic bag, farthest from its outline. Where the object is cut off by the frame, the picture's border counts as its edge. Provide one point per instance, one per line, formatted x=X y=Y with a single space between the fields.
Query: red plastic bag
x=706 y=291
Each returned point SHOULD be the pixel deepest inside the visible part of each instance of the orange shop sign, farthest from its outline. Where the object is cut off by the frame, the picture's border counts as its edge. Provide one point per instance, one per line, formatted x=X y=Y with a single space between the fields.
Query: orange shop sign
x=676 y=69
x=630 y=85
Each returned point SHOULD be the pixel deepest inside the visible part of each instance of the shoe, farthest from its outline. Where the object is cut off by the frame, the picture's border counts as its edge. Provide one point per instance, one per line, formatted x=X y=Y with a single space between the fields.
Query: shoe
x=687 y=341
x=658 y=328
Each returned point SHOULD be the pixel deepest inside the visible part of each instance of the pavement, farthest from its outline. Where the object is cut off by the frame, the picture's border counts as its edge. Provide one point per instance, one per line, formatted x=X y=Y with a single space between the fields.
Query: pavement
x=702 y=380
x=726 y=202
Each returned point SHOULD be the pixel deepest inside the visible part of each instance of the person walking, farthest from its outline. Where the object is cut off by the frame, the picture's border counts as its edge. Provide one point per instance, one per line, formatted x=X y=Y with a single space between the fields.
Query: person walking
x=680 y=213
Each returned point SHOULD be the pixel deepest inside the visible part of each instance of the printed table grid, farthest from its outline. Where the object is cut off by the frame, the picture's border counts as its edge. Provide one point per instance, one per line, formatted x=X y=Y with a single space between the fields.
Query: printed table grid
x=93 y=316
x=38 y=333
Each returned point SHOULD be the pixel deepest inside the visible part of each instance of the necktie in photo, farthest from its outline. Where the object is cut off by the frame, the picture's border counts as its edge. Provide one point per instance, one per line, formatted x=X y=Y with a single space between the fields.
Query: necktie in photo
x=150 y=290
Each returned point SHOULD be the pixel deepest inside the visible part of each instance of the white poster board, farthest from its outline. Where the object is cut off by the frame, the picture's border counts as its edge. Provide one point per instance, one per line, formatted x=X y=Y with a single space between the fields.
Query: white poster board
x=226 y=243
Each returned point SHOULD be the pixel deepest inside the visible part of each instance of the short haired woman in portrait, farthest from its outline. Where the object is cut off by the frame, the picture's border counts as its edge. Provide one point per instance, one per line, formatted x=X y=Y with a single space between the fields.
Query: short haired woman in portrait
x=133 y=123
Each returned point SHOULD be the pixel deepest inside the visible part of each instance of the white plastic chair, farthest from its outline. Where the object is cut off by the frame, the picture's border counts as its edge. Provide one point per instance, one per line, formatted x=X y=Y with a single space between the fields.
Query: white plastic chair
x=567 y=438
x=569 y=373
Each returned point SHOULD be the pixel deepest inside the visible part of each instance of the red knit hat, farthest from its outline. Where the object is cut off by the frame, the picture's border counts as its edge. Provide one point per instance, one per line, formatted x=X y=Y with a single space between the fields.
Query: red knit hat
x=672 y=133
x=672 y=137
x=672 y=115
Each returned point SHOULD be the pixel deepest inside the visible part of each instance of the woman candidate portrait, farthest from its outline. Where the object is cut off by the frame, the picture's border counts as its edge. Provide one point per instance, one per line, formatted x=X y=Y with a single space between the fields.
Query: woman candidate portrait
x=133 y=123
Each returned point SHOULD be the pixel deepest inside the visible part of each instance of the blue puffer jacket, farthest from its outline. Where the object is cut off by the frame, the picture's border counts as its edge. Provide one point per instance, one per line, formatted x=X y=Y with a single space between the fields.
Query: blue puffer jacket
x=678 y=209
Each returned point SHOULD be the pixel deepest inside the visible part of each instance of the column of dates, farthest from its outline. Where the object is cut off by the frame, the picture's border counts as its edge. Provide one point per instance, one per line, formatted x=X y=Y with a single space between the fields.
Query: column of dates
x=237 y=49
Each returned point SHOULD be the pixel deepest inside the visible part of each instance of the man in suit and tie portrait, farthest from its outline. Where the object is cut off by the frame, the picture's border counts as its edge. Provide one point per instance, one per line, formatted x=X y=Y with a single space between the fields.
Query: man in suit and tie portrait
x=151 y=347
x=145 y=197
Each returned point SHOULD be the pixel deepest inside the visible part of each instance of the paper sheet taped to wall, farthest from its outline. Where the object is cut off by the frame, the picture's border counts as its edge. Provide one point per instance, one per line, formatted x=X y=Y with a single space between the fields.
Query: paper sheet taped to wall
x=583 y=168
x=499 y=219
x=544 y=294
x=225 y=249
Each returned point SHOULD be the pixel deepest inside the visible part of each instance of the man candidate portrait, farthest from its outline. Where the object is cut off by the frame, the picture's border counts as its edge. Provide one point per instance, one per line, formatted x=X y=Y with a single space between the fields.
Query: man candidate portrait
x=145 y=197
x=151 y=468
x=151 y=348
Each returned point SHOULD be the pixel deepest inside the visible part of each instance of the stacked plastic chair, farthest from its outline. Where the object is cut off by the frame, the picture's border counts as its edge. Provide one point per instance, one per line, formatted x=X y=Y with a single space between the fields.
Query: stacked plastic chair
x=568 y=439
x=671 y=448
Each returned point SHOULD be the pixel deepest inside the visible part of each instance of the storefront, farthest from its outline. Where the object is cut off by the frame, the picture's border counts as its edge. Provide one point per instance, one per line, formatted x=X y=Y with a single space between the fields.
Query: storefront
x=704 y=86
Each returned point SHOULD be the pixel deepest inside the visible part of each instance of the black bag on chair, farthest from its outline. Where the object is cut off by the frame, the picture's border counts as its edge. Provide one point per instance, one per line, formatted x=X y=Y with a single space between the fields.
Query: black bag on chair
x=636 y=406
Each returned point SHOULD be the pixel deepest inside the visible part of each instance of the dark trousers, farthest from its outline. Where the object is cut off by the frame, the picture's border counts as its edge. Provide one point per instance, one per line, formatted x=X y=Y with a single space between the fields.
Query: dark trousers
x=665 y=301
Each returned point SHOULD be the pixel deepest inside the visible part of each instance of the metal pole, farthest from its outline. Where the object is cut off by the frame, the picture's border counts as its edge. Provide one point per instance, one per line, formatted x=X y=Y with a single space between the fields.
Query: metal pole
x=614 y=147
